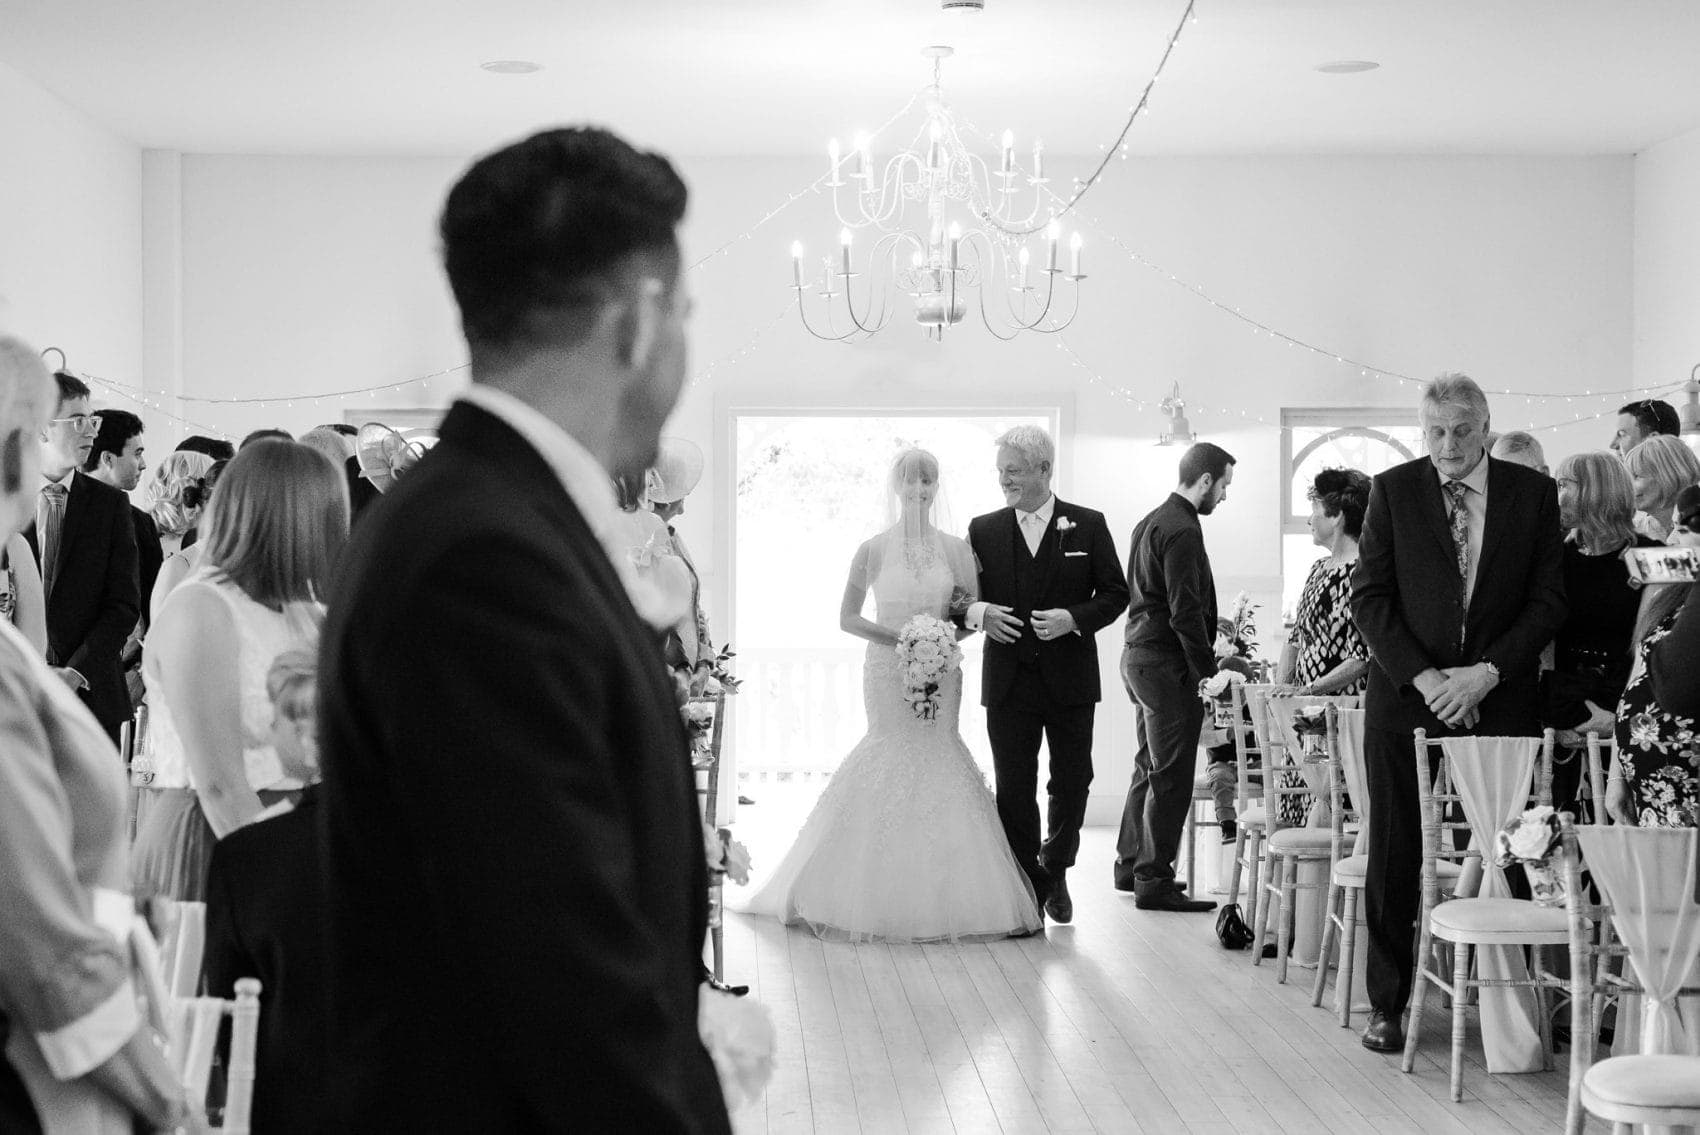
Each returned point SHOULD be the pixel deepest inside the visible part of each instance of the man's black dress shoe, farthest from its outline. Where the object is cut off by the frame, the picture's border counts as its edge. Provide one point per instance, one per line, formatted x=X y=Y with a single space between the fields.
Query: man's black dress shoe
x=1173 y=900
x=1384 y=1033
x=1058 y=904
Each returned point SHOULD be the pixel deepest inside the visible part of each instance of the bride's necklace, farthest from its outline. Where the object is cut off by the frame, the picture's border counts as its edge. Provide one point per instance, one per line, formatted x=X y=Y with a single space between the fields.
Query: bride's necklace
x=919 y=553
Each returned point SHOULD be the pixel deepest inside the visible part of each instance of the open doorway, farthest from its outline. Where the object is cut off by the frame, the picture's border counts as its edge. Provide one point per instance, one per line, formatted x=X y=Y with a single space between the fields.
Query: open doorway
x=809 y=490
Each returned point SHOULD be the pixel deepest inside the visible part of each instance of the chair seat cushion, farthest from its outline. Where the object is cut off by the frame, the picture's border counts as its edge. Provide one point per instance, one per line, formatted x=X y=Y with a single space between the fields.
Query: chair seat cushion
x=1644 y=1081
x=1500 y=922
x=1256 y=814
x=1354 y=869
x=1301 y=839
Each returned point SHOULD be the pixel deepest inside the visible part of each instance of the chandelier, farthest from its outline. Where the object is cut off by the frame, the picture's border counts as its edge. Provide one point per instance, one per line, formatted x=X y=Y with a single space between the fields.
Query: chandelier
x=948 y=228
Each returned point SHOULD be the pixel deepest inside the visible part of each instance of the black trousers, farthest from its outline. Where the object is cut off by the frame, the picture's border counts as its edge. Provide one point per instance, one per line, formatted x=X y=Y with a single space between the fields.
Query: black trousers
x=1393 y=894
x=1015 y=728
x=1171 y=715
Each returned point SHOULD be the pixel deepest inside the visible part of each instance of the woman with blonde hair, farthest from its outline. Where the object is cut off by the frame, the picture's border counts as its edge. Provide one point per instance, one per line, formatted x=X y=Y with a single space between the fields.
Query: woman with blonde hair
x=175 y=493
x=1660 y=467
x=82 y=1051
x=277 y=523
x=1594 y=648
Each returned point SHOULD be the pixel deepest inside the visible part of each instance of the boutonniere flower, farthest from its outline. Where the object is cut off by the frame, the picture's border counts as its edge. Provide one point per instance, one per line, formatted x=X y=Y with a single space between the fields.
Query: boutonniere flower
x=1064 y=524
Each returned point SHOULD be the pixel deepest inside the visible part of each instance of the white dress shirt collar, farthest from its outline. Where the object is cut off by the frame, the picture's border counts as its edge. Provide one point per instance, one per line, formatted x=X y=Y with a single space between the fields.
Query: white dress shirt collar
x=1476 y=479
x=586 y=481
x=1043 y=512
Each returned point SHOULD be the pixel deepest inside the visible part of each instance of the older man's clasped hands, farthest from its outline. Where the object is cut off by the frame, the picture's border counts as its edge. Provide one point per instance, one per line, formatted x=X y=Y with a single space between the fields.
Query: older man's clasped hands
x=1453 y=694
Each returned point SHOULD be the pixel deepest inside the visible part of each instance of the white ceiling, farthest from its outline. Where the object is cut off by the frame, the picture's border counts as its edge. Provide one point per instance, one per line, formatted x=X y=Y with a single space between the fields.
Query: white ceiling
x=713 y=77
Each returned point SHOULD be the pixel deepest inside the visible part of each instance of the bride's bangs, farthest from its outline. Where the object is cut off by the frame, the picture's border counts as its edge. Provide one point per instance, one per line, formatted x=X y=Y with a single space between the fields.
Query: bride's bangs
x=909 y=460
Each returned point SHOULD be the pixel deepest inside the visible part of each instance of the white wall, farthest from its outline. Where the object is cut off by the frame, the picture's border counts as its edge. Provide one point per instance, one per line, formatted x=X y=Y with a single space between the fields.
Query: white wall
x=321 y=274
x=70 y=232
x=1667 y=261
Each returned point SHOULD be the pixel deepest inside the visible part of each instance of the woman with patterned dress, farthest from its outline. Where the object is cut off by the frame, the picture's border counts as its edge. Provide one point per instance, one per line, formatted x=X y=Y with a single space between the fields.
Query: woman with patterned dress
x=1325 y=655
x=1655 y=778
x=21 y=601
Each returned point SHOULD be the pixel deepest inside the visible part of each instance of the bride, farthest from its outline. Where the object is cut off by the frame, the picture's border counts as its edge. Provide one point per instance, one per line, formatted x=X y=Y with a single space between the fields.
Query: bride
x=905 y=844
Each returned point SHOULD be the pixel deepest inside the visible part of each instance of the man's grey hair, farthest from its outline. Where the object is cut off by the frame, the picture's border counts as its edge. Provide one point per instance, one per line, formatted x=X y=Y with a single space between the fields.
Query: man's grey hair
x=1521 y=447
x=1034 y=444
x=1454 y=389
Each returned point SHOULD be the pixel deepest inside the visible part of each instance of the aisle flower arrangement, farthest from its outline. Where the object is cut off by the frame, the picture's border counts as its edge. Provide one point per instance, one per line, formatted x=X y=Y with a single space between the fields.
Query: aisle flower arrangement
x=1310 y=725
x=1532 y=839
x=927 y=650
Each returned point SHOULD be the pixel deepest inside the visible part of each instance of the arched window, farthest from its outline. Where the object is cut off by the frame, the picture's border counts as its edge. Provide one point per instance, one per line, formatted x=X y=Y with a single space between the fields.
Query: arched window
x=1369 y=440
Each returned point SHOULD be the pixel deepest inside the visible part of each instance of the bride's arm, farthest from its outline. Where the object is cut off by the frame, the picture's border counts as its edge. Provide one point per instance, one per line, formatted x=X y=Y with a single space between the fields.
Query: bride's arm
x=850 y=618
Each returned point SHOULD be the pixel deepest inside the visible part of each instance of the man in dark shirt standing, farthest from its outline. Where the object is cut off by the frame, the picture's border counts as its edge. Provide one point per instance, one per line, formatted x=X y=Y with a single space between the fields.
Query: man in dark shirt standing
x=1171 y=632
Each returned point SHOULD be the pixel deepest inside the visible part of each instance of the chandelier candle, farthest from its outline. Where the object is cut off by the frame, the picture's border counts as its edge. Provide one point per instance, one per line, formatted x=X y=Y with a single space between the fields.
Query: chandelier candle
x=952 y=229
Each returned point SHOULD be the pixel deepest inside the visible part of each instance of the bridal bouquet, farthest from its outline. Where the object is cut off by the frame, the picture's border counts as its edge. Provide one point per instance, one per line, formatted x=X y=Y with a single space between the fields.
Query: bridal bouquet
x=927 y=650
x=1531 y=839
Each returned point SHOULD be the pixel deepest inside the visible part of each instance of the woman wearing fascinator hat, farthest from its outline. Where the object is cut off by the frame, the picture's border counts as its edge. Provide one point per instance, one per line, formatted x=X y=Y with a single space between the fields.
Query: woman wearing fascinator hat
x=674 y=476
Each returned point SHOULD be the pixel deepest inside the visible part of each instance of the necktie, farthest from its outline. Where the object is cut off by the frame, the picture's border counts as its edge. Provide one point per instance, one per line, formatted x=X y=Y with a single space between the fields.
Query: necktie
x=50 y=518
x=1461 y=545
x=1031 y=532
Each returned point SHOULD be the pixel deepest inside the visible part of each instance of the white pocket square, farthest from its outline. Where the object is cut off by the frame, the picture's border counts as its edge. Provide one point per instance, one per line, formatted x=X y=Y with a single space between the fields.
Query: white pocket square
x=1076 y=553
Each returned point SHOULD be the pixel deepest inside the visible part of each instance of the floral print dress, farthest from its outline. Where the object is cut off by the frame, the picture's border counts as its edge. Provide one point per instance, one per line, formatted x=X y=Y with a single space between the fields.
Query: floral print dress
x=1660 y=752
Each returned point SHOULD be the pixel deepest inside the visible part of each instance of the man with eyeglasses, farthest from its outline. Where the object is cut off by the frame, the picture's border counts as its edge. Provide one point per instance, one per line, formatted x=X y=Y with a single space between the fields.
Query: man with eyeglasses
x=85 y=544
x=1639 y=421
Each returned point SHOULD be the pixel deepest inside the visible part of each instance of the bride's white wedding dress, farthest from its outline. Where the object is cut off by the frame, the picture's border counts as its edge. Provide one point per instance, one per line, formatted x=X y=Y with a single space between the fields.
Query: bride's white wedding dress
x=904 y=844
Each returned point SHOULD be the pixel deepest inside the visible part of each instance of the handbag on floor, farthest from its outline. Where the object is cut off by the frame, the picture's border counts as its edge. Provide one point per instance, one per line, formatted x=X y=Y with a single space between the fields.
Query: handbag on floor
x=1231 y=929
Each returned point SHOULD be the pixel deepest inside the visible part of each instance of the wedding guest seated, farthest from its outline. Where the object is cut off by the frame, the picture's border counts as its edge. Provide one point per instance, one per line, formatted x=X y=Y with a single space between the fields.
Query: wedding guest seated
x=1639 y=421
x=83 y=1053
x=193 y=500
x=85 y=546
x=1661 y=467
x=1222 y=771
x=1521 y=448
x=265 y=915
x=275 y=527
x=1593 y=649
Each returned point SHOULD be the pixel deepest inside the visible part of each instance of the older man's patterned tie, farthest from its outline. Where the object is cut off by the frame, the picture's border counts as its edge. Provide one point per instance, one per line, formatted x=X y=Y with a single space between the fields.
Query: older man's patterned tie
x=1461 y=545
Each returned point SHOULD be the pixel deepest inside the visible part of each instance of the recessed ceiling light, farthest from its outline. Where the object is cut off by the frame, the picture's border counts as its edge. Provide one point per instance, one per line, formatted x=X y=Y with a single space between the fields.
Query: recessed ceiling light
x=1346 y=66
x=511 y=66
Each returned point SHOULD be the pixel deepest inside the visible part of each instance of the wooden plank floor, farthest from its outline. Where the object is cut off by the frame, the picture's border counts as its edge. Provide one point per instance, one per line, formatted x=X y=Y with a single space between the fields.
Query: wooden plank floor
x=1124 y=1021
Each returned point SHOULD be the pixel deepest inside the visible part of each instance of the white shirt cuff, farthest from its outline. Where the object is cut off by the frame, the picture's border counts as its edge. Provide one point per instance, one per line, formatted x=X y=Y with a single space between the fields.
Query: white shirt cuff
x=90 y=1040
x=975 y=619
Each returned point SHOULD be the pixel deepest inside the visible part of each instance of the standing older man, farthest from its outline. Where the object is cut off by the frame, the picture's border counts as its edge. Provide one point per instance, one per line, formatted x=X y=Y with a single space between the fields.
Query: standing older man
x=1458 y=587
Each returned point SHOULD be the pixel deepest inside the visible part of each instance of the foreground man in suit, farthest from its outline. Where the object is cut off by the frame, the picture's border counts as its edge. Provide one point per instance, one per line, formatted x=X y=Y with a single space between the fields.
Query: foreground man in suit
x=1459 y=586
x=1049 y=581
x=514 y=870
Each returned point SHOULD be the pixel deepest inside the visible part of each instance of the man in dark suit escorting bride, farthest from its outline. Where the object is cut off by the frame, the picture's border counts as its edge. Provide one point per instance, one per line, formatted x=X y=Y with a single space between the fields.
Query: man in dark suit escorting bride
x=1050 y=580
x=515 y=879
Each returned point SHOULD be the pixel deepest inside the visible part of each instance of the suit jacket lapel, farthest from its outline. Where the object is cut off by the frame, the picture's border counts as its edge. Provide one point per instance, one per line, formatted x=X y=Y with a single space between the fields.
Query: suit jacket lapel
x=1434 y=511
x=1501 y=506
